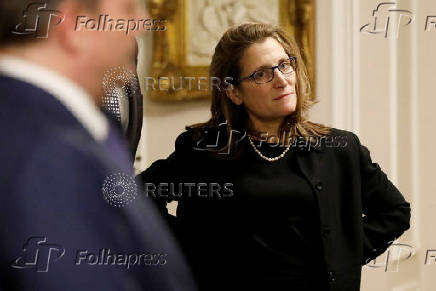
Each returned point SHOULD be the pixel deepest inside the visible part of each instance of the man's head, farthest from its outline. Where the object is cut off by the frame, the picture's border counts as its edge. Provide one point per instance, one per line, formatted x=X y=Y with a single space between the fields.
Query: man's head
x=48 y=33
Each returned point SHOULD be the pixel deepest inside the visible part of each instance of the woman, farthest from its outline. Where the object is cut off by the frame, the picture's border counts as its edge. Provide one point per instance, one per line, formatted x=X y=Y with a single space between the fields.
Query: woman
x=267 y=199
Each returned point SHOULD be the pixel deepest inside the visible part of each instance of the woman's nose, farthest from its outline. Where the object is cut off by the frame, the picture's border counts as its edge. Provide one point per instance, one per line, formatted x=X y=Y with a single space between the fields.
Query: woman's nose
x=279 y=79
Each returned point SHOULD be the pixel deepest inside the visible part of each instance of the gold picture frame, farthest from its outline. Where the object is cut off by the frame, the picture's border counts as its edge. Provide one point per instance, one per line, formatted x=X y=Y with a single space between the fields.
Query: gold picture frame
x=169 y=58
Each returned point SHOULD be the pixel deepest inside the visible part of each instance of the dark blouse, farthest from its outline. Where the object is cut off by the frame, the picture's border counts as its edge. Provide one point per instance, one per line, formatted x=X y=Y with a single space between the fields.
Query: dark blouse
x=266 y=236
x=284 y=230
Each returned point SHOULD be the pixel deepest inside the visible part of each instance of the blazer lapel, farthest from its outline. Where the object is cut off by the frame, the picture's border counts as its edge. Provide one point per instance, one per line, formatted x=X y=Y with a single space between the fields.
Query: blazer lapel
x=308 y=158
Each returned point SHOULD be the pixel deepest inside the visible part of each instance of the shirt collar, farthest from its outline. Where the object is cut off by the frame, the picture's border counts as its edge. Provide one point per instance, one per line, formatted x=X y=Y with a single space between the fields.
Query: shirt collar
x=72 y=96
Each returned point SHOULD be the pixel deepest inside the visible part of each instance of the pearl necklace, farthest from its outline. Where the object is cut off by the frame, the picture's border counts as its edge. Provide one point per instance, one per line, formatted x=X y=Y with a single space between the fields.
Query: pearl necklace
x=267 y=158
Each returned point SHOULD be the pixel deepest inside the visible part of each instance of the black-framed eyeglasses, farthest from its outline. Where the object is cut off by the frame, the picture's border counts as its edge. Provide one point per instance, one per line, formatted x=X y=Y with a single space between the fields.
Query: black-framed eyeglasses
x=266 y=75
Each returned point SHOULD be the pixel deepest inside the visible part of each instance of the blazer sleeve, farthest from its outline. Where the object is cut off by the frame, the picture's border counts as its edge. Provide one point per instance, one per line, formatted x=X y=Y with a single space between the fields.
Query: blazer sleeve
x=166 y=171
x=386 y=212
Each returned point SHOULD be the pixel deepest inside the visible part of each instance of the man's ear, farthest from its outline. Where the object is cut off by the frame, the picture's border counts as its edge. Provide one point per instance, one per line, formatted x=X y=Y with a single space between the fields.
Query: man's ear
x=233 y=94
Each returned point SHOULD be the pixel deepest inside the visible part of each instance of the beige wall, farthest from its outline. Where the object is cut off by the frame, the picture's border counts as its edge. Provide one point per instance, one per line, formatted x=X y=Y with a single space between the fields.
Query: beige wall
x=381 y=89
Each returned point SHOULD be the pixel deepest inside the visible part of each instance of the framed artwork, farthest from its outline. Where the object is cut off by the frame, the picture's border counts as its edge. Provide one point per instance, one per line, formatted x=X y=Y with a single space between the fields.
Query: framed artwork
x=183 y=51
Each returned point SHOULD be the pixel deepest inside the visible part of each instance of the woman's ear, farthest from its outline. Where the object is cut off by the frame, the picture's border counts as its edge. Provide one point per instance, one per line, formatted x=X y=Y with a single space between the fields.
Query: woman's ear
x=233 y=94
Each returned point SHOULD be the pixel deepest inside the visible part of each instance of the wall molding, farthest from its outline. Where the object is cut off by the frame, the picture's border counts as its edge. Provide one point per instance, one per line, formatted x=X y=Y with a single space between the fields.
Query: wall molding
x=345 y=64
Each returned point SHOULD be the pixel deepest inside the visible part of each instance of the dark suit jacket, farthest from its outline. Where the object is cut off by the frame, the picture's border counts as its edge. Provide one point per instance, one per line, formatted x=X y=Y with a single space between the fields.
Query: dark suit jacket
x=55 y=222
x=344 y=179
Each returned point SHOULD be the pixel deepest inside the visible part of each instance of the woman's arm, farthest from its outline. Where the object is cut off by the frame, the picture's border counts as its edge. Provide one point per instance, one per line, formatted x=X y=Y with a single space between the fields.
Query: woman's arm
x=157 y=178
x=387 y=213
x=158 y=173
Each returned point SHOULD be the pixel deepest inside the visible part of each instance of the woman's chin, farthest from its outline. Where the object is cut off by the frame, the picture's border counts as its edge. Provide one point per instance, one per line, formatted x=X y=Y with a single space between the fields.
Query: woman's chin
x=288 y=109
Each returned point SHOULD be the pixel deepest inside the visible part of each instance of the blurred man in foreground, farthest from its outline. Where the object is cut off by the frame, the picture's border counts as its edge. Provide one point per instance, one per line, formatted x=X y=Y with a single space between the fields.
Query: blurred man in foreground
x=71 y=217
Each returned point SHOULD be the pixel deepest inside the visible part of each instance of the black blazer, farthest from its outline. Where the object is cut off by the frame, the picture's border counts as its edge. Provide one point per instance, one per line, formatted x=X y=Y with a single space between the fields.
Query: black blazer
x=361 y=211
